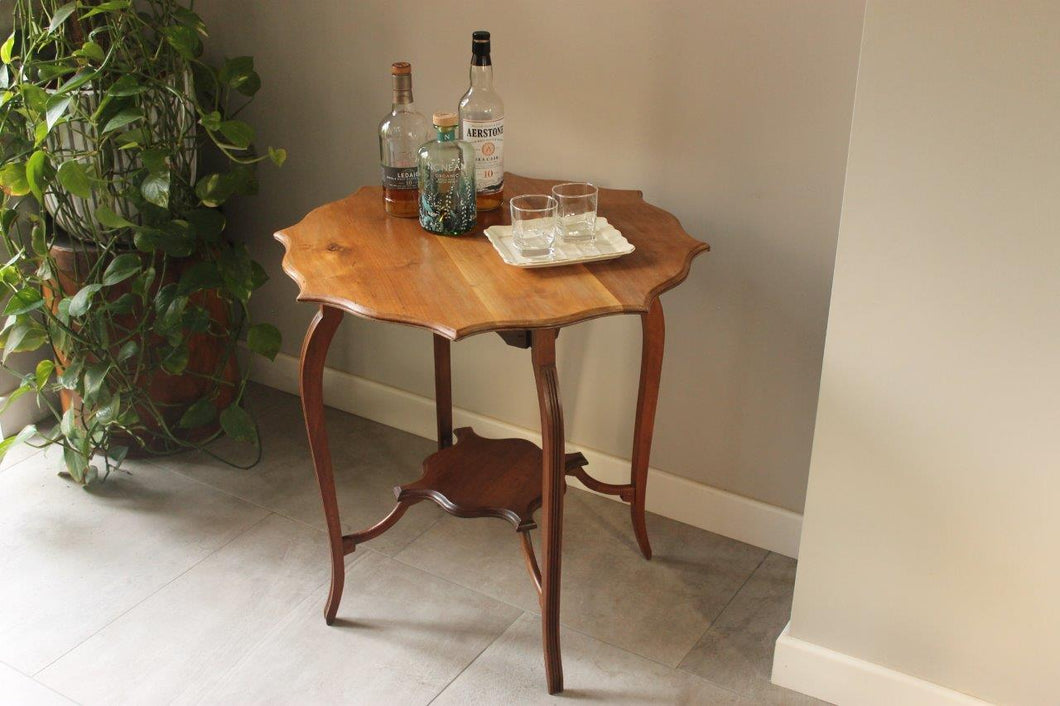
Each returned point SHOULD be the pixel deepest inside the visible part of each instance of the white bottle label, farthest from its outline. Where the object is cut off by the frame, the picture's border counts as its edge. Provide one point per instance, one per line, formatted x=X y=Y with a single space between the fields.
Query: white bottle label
x=487 y=137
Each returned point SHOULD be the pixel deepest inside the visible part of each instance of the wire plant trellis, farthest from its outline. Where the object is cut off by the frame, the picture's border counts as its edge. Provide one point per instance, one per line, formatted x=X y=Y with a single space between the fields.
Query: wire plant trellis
x=105 y=109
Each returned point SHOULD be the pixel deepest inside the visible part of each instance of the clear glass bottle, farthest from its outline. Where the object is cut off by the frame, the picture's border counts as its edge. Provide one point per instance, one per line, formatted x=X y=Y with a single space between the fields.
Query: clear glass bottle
x=447 y=180
x=482 y=124
x=400 y=135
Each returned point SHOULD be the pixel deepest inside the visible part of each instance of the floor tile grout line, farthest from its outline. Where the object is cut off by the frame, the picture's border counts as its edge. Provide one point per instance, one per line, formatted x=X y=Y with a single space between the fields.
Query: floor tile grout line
x=275 y=510
x=481 y=652
x=282 y=620
x=564 y=625
x=40 y=683
x=223 y=491
x=714 y=619
x=140 y=602
x=18 y=463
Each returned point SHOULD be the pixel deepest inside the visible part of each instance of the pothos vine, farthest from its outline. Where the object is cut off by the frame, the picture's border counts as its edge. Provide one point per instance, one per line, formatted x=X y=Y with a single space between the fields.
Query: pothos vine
x=108 y=114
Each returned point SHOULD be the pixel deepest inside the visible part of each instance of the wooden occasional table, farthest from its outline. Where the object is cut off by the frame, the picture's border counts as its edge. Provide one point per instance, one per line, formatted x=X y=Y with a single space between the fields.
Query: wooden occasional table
x=349 y=256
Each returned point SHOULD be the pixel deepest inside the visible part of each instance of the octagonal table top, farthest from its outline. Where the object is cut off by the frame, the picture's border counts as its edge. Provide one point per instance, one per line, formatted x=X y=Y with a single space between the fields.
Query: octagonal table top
x=351 y=255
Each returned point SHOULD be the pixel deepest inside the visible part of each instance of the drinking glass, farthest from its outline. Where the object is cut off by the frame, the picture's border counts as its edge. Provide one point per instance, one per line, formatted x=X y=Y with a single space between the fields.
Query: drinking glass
x=576 y=206
x=534 y=224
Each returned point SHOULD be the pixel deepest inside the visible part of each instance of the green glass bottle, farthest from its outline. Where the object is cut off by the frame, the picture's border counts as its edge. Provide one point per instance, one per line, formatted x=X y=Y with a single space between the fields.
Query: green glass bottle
x=447 y=180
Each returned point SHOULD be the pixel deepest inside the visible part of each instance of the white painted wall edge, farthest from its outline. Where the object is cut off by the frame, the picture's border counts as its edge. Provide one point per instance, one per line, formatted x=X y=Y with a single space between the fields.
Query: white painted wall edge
x=22 y=411
x=744 y=519
x=848 y=681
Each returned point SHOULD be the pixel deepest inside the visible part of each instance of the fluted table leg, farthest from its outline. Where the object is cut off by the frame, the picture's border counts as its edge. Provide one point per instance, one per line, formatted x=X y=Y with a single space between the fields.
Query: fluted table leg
x=554 y=484
x=654 y=335
x=311 y=384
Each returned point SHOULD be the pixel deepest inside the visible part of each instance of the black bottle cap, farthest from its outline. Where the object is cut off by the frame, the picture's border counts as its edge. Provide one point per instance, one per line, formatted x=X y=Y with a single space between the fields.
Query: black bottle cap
x=480 y=43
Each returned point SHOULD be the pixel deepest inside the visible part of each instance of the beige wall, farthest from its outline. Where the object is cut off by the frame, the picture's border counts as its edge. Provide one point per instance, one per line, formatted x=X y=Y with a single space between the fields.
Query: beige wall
x=733 y=115
x=932 y=532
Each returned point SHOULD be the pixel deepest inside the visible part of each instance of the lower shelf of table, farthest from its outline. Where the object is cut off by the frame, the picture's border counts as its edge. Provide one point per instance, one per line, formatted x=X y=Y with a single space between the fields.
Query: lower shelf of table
x=479 y=477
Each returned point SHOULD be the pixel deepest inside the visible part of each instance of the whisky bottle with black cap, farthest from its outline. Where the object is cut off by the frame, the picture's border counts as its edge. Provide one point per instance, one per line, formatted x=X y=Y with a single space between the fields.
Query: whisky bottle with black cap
x=482 y=125
x=400 y=135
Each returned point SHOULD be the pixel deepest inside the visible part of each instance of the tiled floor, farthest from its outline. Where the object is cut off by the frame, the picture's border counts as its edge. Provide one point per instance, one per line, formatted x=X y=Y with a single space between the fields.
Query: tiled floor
x=188 y=581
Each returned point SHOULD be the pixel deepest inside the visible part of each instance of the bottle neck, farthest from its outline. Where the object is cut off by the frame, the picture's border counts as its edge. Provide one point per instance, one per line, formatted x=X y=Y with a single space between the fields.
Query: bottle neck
x=482 y=75
x=403 y=92
x=446 y=134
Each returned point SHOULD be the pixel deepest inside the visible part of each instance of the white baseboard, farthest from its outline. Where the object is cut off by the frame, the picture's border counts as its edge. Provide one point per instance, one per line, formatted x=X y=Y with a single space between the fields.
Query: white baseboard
x=719 y=511
x=848 y=681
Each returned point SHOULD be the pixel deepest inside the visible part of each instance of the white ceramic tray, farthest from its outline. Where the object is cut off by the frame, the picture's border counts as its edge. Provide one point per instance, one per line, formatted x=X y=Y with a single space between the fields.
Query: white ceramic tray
x=607 y=245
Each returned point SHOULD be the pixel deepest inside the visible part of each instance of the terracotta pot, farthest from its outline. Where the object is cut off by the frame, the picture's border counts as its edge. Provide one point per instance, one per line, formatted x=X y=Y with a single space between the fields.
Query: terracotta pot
x=173 y=394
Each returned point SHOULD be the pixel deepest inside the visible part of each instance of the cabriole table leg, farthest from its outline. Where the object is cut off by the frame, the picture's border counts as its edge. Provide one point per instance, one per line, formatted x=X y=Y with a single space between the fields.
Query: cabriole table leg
x=654 y=334
x=554 y=484
x=311 y=384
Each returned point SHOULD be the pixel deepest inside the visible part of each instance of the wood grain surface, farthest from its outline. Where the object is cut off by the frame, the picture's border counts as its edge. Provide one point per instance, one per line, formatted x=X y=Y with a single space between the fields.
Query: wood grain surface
x=351 y=255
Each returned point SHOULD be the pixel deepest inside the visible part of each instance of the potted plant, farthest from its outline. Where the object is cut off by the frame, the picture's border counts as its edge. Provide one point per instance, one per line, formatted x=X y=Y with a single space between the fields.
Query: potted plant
x=116 y=257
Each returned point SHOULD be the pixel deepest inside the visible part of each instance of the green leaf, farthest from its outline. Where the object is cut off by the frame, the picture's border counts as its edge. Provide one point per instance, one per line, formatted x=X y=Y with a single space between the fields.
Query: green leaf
x=57 y=106
x=196 y=320
x=71 y=375
x=11 y=397
x=13 y=179
x=176 y=360
x=213 y=190
x=156 y=160
x=264 y=339
x=36 y=173
x=50 y=72
x=108 y=218
x=75 y=179
x=124 y=117
x=207 y=223
x=6 y=48
x=124 y=304
x=60 y=16
x=200 y=413
x=239 y=74
x=201 y=275
x=117 y=454
x=25 y=336
x=35 y=98
x=238 y=425
x=188 y=17
x=79 y=79
x=95 y=376
x=76 y=464
x=278 y=156
x=43 y=373
x=68 y=423
x=147 y=239
x=24 y=301
x=184 y=39
x=109 y=6
x=7 y=217
x=92 y=51
x=109 y=412
x=211 y=121
x=130 y=349
x=82 y=301
x=238 y=133
x=38 y=240
x=126 y=86
x=170 y=313
x=155 y=188
x=121 y=268
x=26 y=433
x=178 y=239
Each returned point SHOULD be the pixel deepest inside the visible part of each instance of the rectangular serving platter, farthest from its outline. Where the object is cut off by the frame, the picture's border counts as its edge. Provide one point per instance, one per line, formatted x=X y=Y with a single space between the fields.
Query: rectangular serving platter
x=607 y=245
